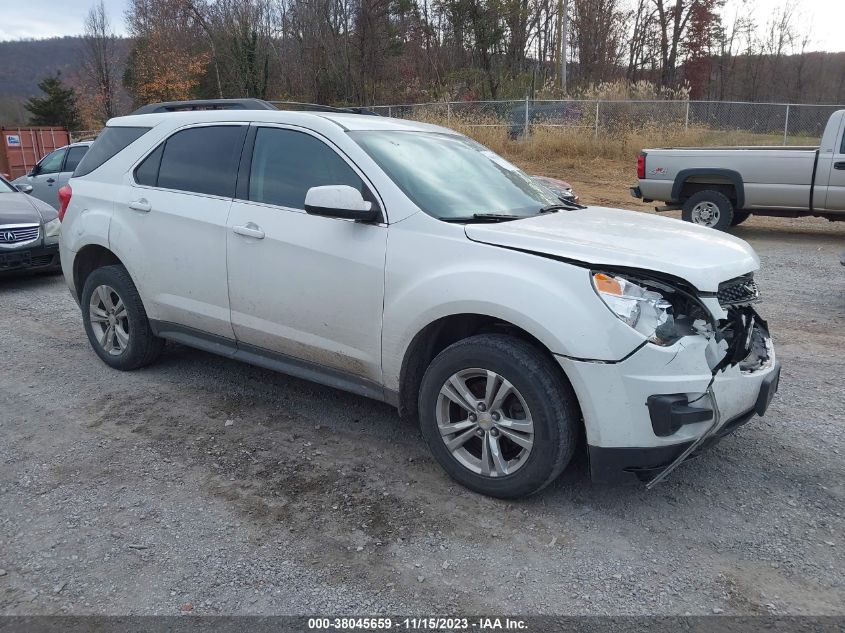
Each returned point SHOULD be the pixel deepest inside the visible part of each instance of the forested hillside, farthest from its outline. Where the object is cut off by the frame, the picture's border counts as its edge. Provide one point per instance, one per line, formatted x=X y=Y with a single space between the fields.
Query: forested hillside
x=400 y=51
x=24 y=63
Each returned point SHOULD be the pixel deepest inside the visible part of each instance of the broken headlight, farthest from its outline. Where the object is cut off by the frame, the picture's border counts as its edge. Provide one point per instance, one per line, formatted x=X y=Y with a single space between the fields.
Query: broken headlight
x=655 y=310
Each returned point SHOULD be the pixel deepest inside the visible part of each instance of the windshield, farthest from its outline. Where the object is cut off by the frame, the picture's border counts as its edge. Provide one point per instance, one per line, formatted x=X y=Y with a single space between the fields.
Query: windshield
x=453 y=177
x=6 y=187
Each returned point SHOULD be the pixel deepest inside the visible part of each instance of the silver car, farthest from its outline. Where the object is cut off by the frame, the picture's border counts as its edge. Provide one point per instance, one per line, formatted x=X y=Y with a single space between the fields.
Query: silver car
x=53 y=171
x=29 y=232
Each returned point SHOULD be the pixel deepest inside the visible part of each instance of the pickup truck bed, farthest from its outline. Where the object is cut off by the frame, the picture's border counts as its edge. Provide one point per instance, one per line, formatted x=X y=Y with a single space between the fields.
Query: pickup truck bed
x=721 y=186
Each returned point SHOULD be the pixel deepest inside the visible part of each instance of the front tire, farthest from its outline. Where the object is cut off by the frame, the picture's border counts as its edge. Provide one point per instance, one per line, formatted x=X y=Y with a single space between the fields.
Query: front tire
x=115 y=320
x=709 y=208
x=498 y=415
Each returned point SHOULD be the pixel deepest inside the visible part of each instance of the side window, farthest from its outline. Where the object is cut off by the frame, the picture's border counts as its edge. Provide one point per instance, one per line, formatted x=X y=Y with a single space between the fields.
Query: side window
x=147 y=172
x=202 y=160
x=286 y=164
x=74 y=155
x=51 y=163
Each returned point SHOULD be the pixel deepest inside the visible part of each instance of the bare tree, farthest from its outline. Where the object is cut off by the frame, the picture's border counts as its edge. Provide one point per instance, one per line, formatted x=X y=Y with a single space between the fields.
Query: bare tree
x=597 y=32
x=100 y=60
x=672 y=20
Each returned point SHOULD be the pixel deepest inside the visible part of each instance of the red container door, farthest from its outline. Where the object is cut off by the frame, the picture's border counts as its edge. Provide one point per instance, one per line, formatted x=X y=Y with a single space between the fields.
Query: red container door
x=22 y=147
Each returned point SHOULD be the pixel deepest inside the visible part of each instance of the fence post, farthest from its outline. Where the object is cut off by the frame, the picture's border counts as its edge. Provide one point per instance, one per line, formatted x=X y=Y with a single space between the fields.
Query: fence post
x=597 y=117
x=786 y=125
x=686 y=121
x=449 y=113
x=525 y=129
x=390 y=111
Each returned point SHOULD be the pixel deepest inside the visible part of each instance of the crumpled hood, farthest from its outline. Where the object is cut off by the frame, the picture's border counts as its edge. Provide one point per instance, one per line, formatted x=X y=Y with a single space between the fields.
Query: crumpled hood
x=21 y=208
x=612 y=237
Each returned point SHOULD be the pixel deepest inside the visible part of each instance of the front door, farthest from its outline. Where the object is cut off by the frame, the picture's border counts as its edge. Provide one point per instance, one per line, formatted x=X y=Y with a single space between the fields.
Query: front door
x=45 y=177
x=836 y=185
x=307 y=287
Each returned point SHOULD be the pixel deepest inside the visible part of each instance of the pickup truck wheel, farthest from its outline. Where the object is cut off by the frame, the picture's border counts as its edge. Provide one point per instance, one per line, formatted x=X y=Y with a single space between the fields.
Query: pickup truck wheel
x=709 y=208
x=115 y=320
x=498 y=415
x=739 y=217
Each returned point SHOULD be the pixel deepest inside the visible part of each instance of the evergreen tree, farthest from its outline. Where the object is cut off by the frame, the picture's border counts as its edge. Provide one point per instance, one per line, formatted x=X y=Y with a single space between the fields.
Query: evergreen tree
x=57 y=107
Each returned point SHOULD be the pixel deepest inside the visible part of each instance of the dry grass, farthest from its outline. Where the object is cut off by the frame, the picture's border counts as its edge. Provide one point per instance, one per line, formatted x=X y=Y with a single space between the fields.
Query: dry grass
x=600 y=168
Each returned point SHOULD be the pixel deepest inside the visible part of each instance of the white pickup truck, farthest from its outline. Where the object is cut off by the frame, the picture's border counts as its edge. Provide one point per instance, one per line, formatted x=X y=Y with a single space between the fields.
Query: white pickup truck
x=720 y=187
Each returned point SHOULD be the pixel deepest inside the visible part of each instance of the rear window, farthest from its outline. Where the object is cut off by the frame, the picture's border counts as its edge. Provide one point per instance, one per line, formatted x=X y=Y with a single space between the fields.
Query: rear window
x=110 y=141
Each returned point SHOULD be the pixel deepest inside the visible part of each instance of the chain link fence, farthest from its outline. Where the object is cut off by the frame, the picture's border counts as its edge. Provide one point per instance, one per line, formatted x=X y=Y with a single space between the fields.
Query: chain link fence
x=84 y=135
x=753 y=123
x=759 y=123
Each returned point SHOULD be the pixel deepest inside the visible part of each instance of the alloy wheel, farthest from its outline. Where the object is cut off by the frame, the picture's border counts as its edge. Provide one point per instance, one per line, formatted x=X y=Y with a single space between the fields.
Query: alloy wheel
x=484 y=422
x=109 y=320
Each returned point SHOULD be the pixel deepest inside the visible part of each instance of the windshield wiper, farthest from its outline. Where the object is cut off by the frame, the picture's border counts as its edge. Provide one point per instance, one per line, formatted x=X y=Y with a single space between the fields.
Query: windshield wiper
x=570 y=206
x=484 y=217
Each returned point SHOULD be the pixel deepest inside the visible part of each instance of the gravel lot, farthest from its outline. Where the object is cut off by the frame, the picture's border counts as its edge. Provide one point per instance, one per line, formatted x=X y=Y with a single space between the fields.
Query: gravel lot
x=204 y=485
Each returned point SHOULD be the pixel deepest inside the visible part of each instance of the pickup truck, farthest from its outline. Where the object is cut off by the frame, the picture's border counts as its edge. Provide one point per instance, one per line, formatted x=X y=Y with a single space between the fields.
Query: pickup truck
x=720 y=187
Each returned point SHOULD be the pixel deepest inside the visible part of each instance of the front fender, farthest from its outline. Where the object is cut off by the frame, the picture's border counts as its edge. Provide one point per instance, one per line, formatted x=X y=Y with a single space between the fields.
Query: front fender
x=434 y=276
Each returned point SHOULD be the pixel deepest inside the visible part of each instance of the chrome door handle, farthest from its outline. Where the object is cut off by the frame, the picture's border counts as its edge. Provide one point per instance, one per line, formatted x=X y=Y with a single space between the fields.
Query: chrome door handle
x=140 y=205
x=249 y=230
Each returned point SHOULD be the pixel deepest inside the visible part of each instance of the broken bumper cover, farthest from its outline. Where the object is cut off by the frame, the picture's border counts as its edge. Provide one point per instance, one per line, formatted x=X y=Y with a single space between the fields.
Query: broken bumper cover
x=616 y=464
x=644 y=412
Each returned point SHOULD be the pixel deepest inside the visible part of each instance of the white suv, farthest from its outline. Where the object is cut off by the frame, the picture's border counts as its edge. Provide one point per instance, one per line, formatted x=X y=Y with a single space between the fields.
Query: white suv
x=408 y=263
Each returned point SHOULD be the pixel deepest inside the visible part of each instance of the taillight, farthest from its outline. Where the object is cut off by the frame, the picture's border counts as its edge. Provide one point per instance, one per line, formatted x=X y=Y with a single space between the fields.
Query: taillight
x=65 y=193
x=641 y=166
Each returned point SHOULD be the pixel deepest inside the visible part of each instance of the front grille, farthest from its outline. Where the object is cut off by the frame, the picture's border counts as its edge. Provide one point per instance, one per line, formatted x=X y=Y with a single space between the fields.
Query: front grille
x=18 y=233
x=740 y=291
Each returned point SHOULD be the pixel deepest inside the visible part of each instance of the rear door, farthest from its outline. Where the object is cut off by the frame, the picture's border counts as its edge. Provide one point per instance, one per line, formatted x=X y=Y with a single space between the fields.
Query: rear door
x=307 y=287
x=171 y=227
x=46 y=176
x=72 y=158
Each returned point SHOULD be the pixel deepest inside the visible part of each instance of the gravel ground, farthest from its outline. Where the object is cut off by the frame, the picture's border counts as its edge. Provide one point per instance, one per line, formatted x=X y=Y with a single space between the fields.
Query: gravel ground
x=209 y=486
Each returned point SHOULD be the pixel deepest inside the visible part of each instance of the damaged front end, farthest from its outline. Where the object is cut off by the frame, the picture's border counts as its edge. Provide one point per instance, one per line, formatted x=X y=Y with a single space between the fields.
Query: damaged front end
x=739 y=342
x=705 y=366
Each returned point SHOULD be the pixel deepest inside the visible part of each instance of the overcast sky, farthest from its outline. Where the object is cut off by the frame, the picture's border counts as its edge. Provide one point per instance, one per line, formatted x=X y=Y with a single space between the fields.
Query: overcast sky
x=48 y=18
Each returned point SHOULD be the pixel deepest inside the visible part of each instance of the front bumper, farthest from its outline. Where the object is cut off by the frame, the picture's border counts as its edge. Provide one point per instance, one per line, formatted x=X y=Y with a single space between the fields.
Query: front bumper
x=33 y=258
x=626 y=438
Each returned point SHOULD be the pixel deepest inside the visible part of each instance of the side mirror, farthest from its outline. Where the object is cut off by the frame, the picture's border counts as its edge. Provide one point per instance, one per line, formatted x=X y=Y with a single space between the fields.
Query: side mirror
x=340 y=201
x=24 y=188
x=34 y=171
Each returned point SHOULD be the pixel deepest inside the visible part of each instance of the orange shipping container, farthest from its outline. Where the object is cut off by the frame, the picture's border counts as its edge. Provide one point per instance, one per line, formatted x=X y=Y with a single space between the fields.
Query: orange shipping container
x=22 y=147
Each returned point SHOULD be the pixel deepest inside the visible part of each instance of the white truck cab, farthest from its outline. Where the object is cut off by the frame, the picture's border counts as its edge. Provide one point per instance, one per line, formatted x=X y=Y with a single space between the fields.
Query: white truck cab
x=407 y=263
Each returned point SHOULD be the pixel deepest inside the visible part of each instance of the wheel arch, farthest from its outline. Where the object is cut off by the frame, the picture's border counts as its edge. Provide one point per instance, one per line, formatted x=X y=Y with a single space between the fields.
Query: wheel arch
x=700 y=177
x=87 y=260
x=443 y=332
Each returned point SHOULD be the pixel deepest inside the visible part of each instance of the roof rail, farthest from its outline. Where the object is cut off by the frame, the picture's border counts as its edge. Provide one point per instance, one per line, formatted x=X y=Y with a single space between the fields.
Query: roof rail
x=319 y=107
x=206 y=104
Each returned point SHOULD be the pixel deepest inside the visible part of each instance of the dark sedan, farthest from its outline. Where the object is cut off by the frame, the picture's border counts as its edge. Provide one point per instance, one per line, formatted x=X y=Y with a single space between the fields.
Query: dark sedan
x=29 y=232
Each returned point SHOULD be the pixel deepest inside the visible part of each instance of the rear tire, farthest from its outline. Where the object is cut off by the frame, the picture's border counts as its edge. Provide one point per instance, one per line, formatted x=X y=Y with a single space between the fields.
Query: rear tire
x=709 y=208
x=115 y=320
x=740 y=217
x=516 y=426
